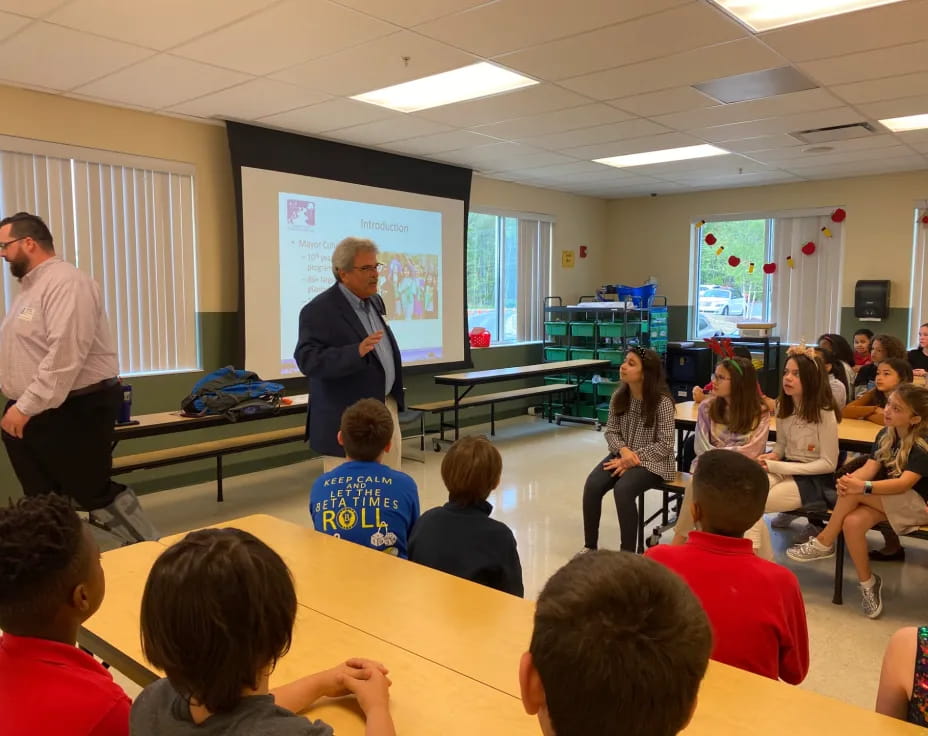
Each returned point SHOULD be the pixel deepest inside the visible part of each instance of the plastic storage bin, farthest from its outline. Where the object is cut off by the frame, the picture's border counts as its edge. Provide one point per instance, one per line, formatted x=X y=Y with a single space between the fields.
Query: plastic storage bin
x=582 y=329
x=555 y=353
x=615 y=357
x=556 y=328
x=618 y=329
x=582 y=354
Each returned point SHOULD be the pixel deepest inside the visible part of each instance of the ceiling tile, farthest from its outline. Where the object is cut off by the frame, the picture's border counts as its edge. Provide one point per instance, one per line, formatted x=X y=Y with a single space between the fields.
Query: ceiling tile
x=507 y=25
x=911 y=57
x=249 y=101
x=762 y=143
x=675 y=99
x=909 y=162
x=897 y=108
x=32 y=8
x=848 y=33
x=636 y=128
x=376 y=64
x=158 y=25
x=701 y=65
x=283 y=36
x=59 y=58
x=813 y=99
x=784 y=124
x=572 y=118
x=890 y=88
x=329 y=115
x=140 y=84
x=529 y=101
x=385 y=131
x=884 y=146
x=410 y=12
x=679 y=29
x=442 y=142
x=11 y=24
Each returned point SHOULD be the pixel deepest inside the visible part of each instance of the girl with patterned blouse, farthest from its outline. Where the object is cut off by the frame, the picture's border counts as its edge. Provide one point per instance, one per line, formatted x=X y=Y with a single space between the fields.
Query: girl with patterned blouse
x=639 y=433
x=903 y=692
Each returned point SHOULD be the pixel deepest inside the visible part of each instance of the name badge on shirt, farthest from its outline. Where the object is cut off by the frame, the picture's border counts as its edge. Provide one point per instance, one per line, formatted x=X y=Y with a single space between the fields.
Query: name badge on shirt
x=26 y=314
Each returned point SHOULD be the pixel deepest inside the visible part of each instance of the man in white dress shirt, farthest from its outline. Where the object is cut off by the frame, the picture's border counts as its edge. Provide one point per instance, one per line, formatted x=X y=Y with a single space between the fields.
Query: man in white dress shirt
x=58 y=370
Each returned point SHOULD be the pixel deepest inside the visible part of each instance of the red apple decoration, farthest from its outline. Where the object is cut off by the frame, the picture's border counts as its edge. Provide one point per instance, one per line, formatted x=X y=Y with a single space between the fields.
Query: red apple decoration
x=733 y=261
x=710 y=239
x=809 y=248
x=838 y=215
x=770 y=268
x=924 y=219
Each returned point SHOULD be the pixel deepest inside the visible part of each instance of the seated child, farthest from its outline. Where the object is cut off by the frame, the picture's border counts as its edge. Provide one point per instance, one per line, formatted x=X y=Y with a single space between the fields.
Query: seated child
x=51 y=581
x=460 y=538
x=217 y=613
x=882 y=346
x=903 y=692
x=363 y=500
x=901 y=451
x=755 y=606
x=620 y=645
x=869 y=406
x=862 y=340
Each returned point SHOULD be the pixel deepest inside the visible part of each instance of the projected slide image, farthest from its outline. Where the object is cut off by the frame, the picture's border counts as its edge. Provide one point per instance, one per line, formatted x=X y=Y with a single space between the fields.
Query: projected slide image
x=410 y=245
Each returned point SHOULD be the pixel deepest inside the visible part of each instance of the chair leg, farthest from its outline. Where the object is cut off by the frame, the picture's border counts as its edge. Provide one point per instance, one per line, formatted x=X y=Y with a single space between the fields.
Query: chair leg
x=492 y=420
x=838 y=597
x=219 y=498
x=639 y=543
x=422 y=432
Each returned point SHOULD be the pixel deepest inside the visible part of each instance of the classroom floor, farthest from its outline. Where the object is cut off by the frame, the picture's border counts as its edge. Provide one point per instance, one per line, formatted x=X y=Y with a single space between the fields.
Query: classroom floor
x=544 y=467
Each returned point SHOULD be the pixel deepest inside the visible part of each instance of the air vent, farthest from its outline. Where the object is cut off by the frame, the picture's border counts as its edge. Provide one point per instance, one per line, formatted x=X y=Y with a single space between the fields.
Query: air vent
x=835 y=133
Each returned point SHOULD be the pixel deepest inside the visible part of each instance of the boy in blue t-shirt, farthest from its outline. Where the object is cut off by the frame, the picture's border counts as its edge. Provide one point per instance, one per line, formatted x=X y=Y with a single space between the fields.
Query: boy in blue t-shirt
x=363 y=500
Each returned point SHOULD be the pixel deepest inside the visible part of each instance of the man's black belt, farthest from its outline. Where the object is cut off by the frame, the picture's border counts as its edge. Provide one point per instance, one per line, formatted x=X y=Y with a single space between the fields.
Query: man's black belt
x=94 y=387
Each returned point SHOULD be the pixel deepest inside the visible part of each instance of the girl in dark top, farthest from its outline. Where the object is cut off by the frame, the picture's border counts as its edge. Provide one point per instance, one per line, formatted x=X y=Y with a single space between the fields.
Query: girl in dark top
x=918 y=357
x=903 y=692
x=217 y=614
x=843 y=354
x=869 y=406
x=901 y=451
x=881 y=347
x=460 y=538
x=639 y=433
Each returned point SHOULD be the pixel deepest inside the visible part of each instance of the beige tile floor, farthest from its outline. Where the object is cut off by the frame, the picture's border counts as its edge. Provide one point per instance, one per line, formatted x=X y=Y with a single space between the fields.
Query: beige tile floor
x=544 y=467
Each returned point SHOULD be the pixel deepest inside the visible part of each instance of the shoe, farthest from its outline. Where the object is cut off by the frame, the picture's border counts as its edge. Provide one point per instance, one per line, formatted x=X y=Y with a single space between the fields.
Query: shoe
x=871 y=599
x=809 y=530
x=879 y=555
x=583 y=551
x=809 y=550
x=782 y=520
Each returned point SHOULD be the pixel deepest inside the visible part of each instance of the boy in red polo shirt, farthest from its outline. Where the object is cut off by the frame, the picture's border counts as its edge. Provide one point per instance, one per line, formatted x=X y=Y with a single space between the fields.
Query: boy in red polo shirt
x=755 y=606
x=51 y=581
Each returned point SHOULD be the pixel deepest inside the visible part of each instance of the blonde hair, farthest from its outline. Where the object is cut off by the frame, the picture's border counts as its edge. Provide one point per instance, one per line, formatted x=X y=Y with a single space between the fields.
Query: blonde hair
x=895 y=448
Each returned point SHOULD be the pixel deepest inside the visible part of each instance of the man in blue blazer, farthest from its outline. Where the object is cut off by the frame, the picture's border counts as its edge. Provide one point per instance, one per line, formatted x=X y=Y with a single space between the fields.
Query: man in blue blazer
x=348 y=351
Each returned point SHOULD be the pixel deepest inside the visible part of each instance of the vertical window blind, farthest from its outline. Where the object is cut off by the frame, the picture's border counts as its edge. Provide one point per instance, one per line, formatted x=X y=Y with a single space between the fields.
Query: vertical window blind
x=133 y=230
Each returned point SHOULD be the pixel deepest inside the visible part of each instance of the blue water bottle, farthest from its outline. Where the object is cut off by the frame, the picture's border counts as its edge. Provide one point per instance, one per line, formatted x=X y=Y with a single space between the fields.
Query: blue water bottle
x=125 y=409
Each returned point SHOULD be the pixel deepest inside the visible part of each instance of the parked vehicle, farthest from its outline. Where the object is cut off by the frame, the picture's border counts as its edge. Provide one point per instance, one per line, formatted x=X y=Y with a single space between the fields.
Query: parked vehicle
x=718 y=300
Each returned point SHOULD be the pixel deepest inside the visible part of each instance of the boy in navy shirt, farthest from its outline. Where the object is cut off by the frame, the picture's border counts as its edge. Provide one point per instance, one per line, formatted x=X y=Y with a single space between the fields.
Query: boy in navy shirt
x=460 y=538
x=363 y=500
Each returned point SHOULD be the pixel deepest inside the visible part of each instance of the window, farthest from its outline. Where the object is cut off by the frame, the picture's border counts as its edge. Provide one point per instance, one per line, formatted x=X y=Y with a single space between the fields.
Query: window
x=732 y=284
x=918 y=313
x=508 y=260
x=130 y=225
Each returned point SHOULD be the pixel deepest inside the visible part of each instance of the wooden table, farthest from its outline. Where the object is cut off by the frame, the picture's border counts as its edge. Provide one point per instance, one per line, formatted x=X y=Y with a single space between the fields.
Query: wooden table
x=452 y=646
x=854 y=435
x=464 y=382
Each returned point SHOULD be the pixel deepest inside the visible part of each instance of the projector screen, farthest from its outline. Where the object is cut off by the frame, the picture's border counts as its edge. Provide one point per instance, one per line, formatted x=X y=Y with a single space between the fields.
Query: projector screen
x=291 y=223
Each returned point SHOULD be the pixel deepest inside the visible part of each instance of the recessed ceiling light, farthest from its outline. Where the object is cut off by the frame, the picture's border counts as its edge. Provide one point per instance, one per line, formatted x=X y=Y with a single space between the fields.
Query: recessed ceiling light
x=467 y=83
x=910 y=122
x=661 y=157
x=763 y=15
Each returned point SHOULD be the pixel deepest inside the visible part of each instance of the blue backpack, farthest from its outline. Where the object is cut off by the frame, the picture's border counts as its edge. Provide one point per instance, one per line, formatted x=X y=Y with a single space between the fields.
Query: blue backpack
x=233 y=392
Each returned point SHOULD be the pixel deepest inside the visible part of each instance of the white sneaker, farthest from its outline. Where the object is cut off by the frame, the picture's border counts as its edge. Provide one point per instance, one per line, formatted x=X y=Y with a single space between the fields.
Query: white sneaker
x=871 y=599
x=782 y=520
x=810 y=550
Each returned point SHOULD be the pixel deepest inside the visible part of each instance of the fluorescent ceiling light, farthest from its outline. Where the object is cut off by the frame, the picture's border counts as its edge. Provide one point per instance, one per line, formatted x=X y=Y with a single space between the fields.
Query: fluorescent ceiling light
x=466 y=83
x=910 y=122
x=762 y=15
x=662 y=157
